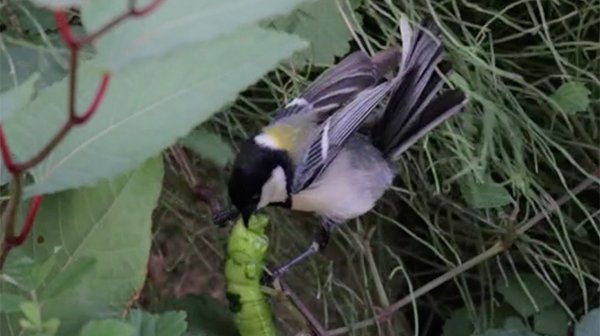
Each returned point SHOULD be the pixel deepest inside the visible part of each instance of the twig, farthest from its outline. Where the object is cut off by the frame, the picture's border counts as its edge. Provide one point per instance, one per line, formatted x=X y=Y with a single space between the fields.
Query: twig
x=495 y=249
x=201 y=191
x=304 y=310
x=17 y=169
x=184 y=163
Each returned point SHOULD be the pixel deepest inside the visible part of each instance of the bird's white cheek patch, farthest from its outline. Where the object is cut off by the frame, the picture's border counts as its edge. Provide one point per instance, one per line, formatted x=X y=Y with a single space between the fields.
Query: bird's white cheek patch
x=274 y=189
x=266 y=140
x=299 y=102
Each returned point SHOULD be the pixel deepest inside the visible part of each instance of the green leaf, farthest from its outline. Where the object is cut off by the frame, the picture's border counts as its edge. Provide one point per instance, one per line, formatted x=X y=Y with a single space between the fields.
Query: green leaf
x=31 y=310
x=58 y=4
x=485 y=195
x=501 y=314
x=572 y=97
x=146 y=108
x=459 y=324
x=515 y=294
x=110 y=222
x=10 y=303
x=28 y=273
x=41 y=270
x=31 y=18
x=320 y=23
x=13 y=100
x=18 y=267
x=20 y=61
x=552 y=321
x=209 y=146
x=166 y=324
x=508 y=332
x=108 y=327
x=205 y=315
x=588 y=325
x=174 y=24
x=514 y=323
x=51 y=326
x=70 y=278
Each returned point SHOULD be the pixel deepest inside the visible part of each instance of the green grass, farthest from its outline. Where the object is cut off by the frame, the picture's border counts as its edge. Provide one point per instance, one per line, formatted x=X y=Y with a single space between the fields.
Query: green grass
x=509 y=58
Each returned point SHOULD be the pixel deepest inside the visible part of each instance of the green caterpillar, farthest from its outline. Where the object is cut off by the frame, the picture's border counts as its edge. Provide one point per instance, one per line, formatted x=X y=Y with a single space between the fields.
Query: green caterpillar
x=246 y=252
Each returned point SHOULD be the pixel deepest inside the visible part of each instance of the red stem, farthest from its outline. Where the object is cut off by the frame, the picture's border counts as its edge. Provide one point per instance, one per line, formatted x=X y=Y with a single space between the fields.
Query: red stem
x=29 y=220
x=62 y=22
x=77 y=120
x=144 y=10
x=5 y=150
x=74 y=120
x=16 y=169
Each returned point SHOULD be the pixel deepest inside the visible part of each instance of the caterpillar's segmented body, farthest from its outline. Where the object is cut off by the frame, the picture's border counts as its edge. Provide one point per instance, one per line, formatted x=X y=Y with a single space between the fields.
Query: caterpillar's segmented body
x=246 y=253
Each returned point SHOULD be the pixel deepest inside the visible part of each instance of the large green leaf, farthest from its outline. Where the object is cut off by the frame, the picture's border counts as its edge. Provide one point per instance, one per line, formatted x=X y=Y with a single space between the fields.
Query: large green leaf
x=171 y=323
x=13 y=100
x=320 y=23
x=516 y=295
x=109 y=222
x=174 y=24
x=145 y=110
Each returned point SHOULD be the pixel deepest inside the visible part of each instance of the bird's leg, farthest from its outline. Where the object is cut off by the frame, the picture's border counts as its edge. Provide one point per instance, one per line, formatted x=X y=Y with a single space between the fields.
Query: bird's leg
x=319 y=243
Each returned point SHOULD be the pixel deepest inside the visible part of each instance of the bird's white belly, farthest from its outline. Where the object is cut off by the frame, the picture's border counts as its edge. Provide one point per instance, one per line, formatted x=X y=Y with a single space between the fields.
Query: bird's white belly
x=341 y=193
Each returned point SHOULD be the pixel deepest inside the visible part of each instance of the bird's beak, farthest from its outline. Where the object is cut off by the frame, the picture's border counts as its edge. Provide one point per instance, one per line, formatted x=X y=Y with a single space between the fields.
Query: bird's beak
x=247 y=213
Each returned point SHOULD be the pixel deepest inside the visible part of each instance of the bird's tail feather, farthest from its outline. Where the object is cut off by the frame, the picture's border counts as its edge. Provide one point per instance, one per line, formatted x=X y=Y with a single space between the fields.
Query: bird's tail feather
x=415 y=106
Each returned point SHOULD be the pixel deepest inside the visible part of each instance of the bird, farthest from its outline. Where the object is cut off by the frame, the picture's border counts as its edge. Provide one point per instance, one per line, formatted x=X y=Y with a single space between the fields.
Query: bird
x=332 y=150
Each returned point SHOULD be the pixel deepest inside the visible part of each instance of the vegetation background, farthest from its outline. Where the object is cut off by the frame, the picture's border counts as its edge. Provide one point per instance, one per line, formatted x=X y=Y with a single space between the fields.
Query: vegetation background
x=492 y=228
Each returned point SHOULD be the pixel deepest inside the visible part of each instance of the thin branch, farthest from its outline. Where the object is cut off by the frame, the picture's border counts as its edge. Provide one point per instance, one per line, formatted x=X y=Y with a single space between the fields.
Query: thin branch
x=10 y=241
x=495 y=249
x=14 y=167
x=201 y=191
x=304 y=310
x=29 y=220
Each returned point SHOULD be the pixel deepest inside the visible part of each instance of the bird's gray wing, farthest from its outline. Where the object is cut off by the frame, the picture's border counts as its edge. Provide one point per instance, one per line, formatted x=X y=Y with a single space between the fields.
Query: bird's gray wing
x=336 y=86
x=333 y=134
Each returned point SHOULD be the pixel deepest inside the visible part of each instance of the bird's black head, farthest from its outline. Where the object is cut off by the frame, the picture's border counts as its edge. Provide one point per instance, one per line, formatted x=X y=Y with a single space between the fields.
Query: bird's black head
x=252 y=168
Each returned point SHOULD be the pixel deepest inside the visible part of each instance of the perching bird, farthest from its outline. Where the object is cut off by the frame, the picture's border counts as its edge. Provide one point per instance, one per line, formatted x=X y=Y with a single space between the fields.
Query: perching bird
x=320 y=155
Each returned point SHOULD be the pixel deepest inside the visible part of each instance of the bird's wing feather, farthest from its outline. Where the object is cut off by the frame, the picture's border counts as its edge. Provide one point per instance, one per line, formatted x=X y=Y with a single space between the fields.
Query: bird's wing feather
x=333 y=134
x=335 y=87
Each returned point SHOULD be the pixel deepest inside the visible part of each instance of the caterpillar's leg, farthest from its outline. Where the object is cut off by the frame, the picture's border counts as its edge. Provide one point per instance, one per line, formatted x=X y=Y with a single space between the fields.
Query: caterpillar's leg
x=319 y=243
